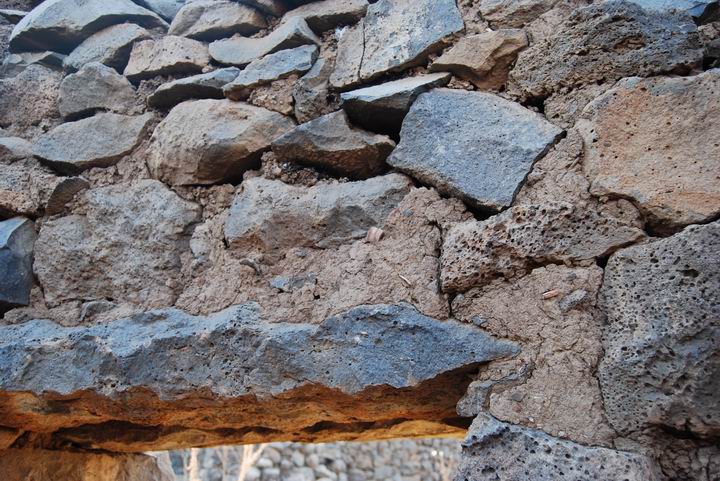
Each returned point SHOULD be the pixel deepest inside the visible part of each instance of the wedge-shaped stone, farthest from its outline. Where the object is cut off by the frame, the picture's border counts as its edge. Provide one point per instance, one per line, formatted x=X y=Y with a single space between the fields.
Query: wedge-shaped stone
x=331 y=143
x=61 y=25
x=311 y=92
x=654 y=141
x=17 y=239
x=474 y=253
x=95 y=87
x=167 y=9
x=662 y=337
x=513 y=13
x=12 y=15
x=215 y=19
x=498 y=451
x=265 y=214
x=110 y=46
x=209 y=141
x=472 y=145
x=275 y=8
x=240 y=51
x=168 y=55
x=382 y=108
x=98 y=141
x=328 y=14
x=126 y=246
x=164 y=377
x=203 y=86
x=272 y=67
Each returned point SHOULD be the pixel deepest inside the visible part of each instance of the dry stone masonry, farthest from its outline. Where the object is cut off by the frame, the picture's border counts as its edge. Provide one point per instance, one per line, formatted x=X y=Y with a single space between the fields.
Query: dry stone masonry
x=247 y=221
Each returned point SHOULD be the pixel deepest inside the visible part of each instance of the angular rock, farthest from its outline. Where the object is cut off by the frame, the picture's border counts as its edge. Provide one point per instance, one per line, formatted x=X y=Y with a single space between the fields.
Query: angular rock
x=11 y=15
x=328 y=14
x=423 y=26
x=696 y=8
x=382 y=108
x=98 y=141
x=513 y=13
x=265 y=214
x=126 y=246
x=497 y=451
x=110 y=46
x=167 y=9
x=61 y=25
x=475 y=253
x=483 y=159
x=240 y=51
x=483 y=59
x=653 y=141
x=14 y=148
x=311 y=92
x=95 y=87
x=25 y=464
x=209 y=20
x=168 y=55
x=209 y=141
x=272 y=67
x=29 y=99
x=331 y=143
x=276 y=8
x=350 y=50
x=203 y=86
x=662 y=338
x=165 y=379
x=645 y=43
x=17 y=239
x=15 y=63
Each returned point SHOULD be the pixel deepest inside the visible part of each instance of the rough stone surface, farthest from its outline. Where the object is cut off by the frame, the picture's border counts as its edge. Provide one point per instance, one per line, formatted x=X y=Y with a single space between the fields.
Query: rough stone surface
x=61 y=25
x=328 y=14
x=169 y=55
x=16 y=63
x=140 y=229
x=210 y=141
x=12 y=15
x=513 y=13
x=17 y=238
x=98 y=141
x=331 y=143
x=397 y=354
x=275 y=8
x=209 y=20
x=643 y=43
x=653 y=141
x=167 y=9
x=382 y=108
x=481 y=159
x=662 y=340
x=96 y=87
x=14 y=148
x=540 y=456
x=29 y=100
x=264 y=214
x=272 y=67
x=395 y=35
x=696 y=8
x=483 y=59
x=240 y=51
x=311 y=93
x=110 y=46
x=474 y=253
x=207 y=85
x=26 y=464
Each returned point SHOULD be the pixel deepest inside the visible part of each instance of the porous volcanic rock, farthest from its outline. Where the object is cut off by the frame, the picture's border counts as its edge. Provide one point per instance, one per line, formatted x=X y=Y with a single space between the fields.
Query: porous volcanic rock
x=240 y=51
x=168 y=55
x=209 y=20
x=653 y=141
x=96 y=87
x=513 y=13
x=540 y=456
x=474 y=253
x=110 y=46
x=643 y=43
x=331 y=143
x=311 y=92
x=328 y=14
x=382 y=108
x=61 y=25
x=662 y=339
x=126 y=246
x=97 y=141
x=373 y=368
x=395 y=35
x=209 y=141
x=271 y=67
x=17 y=239
x=481 y=159
x=696 y=8
x=29 y=99
x=202 y=86
x=485 y=58
x=265 y=213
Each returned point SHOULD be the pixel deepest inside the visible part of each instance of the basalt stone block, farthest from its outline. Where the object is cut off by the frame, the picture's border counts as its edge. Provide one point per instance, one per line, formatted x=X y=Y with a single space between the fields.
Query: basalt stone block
x=472 y=145
x=167 y=9
x=209 y=20
x=328 y=14
x=17 y=239
x=110 y=46
x=203 y=86
x=168 y=55
x=95 y=87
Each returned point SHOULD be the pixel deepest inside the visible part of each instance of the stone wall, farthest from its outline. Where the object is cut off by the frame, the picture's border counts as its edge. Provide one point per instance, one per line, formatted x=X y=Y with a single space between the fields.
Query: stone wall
x=235 y=222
